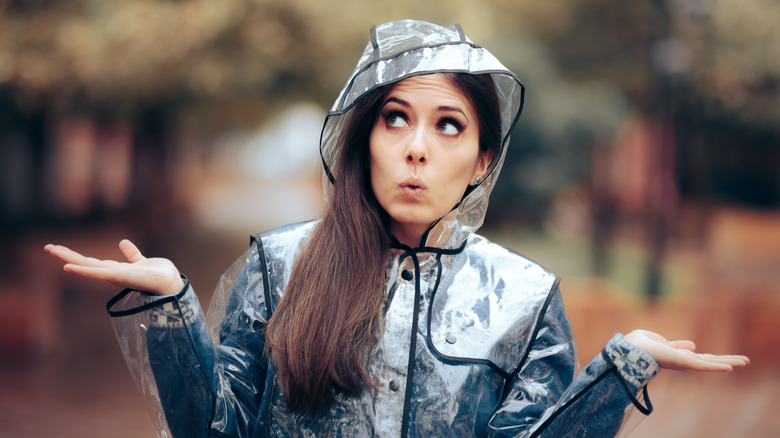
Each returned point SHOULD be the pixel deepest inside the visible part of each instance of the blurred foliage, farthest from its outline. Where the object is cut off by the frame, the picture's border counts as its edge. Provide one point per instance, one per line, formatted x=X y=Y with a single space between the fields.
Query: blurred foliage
x=133 y=50
x=726 y=50
x=146 y=50
x=587 y=65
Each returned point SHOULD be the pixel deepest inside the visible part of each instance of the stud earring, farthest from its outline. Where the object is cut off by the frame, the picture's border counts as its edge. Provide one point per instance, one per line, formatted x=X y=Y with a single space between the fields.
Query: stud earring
x=476 y=181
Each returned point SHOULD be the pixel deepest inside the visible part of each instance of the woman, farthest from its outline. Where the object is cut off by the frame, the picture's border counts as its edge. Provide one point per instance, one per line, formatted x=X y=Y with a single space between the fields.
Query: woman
x=389 y=316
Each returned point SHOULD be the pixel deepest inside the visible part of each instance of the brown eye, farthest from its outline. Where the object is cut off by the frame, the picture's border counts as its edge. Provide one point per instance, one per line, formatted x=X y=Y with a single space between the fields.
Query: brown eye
x=450 y=127
x=396 y=120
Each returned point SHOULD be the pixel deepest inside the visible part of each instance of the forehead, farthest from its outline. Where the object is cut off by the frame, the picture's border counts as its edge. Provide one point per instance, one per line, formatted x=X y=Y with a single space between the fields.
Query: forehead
x=425 y=88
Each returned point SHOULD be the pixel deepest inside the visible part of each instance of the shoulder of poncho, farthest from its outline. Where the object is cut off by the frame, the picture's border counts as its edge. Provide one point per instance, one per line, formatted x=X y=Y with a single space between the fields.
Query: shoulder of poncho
x=287 y=233
x=504 y=261
x=284 y=240
x=288 y=230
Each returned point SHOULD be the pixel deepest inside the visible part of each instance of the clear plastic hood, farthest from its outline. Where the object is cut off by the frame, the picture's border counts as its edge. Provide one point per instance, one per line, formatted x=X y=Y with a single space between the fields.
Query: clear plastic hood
x=401 y=49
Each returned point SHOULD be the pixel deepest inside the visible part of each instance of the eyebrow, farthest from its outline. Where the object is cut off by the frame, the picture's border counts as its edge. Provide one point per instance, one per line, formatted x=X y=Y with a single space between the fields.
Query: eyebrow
x=439 y=108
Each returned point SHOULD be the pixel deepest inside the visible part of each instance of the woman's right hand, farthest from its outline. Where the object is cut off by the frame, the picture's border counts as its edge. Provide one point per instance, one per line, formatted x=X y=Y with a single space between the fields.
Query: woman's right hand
x=156 y=275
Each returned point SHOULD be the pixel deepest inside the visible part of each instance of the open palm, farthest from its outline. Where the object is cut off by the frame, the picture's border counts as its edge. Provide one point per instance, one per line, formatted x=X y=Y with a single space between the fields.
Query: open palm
x=681 y=355
x=154 y=275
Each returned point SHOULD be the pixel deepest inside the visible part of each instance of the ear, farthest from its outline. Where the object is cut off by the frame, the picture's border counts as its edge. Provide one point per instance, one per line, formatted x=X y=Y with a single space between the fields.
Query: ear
x=483 y=163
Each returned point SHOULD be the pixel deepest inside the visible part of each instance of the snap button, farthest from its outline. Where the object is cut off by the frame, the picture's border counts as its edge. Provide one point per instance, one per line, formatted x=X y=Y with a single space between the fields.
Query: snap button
x=394 y=385
x=451 y=339
x=407 y=275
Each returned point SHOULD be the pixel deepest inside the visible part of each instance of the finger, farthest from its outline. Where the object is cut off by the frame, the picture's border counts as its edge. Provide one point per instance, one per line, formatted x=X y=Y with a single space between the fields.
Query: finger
x=712 y=367
x=130 y=251
x=717 y=363
x=67 y=255
x=118 y=274
x=732 y=360
x=58 y=251
x=95 y=272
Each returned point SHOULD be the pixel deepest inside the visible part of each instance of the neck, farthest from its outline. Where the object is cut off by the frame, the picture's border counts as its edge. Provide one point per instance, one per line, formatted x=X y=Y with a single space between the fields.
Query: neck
x=408 y=234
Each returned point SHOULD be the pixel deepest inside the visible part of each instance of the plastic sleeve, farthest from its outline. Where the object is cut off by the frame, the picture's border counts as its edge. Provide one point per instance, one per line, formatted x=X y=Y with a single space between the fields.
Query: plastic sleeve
x=545 y=400
x=195 y=384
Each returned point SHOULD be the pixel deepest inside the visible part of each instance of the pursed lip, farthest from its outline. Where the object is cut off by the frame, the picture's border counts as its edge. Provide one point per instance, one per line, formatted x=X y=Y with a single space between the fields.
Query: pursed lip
x=412 y=188
x=413 y=183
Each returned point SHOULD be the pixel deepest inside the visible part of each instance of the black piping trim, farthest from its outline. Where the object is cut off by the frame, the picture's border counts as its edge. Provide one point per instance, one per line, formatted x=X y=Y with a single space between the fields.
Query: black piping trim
x=467 y=360
x=144 y=307
x=460 y=33
x=376 y=60
x=645 y=410
x=267 y=391
x=508 y=73
x=396 y=244
x=452 y=359
x=570 y=402
x=412 y=347
x=175 y=299
x=537 y=327
x=374 y=43
x=439 y=252
x=612 y=369
x=429 y=72
x=408 y=250
x=269 y=305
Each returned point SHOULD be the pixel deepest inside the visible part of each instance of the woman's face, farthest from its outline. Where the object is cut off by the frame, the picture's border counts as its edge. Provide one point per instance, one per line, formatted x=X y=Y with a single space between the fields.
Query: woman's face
x=424 y=153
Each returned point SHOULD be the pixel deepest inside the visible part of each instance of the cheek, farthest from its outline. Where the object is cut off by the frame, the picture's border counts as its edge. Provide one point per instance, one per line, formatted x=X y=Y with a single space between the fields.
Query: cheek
x=453 y=181
x=462 y=168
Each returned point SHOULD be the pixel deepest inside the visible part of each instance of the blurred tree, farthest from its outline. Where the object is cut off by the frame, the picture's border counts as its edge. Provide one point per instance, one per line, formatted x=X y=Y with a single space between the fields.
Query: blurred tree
x=733 y=54
x=147 y=50
x=728 y=51
x=709 y=67
x=227 y=63
x=132 y=50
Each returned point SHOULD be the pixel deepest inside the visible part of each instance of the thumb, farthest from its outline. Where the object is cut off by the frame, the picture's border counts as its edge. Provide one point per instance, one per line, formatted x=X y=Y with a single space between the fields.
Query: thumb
x=130 y=251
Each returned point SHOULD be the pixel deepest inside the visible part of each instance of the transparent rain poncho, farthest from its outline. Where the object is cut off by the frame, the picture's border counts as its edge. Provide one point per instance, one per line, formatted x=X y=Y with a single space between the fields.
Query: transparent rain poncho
x=475 y=340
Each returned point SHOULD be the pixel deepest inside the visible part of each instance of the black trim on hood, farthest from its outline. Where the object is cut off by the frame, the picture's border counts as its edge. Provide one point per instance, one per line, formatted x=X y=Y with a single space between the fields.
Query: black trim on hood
x=504 y=140
x=460 y=33
x=376 y=59
x=374 y=43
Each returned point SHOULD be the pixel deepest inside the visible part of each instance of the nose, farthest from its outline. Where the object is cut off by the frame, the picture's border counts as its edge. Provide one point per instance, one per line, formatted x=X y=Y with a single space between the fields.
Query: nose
x=417 y=149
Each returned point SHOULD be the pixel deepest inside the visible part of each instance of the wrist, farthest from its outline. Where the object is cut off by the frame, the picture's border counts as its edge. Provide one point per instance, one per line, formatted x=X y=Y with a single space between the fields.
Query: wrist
x=176 y=286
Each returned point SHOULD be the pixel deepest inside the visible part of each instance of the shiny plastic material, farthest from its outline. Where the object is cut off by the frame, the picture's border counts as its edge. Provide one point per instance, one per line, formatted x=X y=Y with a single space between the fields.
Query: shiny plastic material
x=401 y=49
x=475 y=340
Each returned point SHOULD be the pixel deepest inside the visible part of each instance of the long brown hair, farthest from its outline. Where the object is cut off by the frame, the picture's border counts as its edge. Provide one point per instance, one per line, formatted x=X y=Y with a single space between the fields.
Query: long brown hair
x=331 y=313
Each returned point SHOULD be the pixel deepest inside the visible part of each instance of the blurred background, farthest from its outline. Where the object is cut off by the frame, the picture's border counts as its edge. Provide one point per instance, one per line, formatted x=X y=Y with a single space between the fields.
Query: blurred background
x=644 y=171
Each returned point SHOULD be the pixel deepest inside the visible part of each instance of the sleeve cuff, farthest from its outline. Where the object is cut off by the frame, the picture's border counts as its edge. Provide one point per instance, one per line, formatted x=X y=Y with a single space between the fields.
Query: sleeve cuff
x=164 y=311
x=636 y=366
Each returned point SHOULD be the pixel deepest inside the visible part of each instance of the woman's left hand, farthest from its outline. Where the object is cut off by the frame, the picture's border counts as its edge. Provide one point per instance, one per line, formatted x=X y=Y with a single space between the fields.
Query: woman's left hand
x=681 y=355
